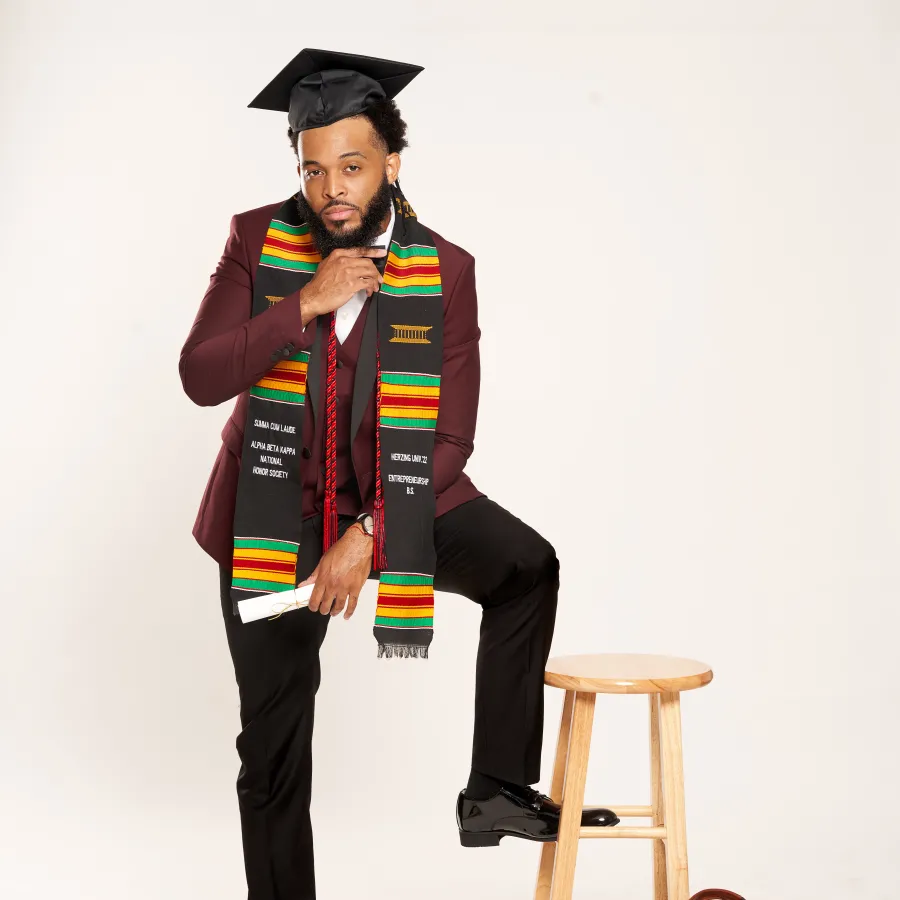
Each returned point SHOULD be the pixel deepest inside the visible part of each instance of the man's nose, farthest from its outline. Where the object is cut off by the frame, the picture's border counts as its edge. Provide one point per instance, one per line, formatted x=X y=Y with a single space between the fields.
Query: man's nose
x=334 y=187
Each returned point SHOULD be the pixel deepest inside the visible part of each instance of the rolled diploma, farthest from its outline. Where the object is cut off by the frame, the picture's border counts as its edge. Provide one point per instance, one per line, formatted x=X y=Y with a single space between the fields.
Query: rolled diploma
x=266 y=605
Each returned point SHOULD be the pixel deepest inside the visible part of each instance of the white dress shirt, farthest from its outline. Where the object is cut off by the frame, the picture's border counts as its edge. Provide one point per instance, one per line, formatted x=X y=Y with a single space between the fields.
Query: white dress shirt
x=349 y=312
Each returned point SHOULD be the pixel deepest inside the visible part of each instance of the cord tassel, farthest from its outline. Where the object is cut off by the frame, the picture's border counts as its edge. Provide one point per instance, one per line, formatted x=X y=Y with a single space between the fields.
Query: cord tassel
x=379 y=557
x=330 y=512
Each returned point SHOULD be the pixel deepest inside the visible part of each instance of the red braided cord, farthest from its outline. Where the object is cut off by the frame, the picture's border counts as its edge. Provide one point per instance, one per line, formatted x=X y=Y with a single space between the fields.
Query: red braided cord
x=380 y=560
x=331 y=519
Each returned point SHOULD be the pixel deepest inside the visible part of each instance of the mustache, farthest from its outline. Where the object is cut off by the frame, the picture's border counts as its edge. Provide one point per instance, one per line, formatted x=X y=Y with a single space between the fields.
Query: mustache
x=343 y=205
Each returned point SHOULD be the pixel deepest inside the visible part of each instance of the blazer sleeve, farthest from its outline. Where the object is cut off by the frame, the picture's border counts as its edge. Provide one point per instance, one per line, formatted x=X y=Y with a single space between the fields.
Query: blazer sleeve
x=227 y=351
x=454 y=438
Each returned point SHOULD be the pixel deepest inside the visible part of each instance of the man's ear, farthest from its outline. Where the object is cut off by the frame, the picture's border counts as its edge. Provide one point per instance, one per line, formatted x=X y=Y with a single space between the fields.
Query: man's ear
x=392 y=169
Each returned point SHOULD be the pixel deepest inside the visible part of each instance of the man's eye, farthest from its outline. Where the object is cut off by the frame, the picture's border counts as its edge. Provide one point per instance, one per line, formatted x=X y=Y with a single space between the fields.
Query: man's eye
x=353 y=166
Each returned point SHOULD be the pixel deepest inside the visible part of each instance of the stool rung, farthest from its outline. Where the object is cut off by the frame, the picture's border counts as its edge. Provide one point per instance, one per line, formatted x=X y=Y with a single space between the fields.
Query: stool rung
x=628 y=812
x=634 y=831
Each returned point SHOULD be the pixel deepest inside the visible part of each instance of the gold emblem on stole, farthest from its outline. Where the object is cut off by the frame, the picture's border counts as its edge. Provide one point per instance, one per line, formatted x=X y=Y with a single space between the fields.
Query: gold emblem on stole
x=405 y=209
x=411 y=334
x=273 y=300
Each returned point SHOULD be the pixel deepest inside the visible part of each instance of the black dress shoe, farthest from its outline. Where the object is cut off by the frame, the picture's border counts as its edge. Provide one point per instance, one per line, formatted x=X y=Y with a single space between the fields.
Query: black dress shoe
x=517 y=812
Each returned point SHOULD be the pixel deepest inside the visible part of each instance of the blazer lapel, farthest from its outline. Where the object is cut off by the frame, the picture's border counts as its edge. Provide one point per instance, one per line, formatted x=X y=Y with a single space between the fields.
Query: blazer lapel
x=314 y=365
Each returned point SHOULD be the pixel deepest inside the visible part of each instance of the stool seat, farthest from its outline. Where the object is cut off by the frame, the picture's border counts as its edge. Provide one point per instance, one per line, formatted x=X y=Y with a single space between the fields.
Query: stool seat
x=626 y=673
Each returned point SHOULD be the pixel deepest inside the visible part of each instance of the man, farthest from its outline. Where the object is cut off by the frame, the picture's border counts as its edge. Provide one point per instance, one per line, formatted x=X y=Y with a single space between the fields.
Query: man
x=341 y=298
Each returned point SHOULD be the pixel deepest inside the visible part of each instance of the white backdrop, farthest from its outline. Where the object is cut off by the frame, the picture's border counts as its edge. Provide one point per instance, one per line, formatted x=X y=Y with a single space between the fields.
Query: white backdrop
x=695 y=400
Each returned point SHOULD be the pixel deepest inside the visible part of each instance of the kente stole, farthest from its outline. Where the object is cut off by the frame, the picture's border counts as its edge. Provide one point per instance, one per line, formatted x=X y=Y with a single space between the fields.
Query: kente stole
x=268 y=513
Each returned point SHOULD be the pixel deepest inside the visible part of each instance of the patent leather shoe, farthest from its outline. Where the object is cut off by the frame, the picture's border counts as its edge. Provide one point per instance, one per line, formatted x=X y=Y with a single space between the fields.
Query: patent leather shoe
x=516 y=811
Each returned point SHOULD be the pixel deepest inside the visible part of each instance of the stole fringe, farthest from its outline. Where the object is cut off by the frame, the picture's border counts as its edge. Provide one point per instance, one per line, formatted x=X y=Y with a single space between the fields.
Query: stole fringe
x=419 y=651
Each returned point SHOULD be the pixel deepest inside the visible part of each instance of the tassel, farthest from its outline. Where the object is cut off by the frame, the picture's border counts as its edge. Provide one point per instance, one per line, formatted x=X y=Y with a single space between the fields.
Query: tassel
x=379 y=555
x=330 y=511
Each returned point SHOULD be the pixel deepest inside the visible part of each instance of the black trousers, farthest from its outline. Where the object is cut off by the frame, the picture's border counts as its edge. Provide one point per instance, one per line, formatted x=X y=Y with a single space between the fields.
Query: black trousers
x=483 y=553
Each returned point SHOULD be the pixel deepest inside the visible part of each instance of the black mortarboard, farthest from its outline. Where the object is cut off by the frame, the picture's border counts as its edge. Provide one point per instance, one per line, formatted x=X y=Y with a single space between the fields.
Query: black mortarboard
x=318 y=87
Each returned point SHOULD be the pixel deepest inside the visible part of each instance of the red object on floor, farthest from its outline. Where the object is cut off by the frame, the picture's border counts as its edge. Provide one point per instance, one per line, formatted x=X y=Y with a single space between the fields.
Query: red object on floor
x=716 y=894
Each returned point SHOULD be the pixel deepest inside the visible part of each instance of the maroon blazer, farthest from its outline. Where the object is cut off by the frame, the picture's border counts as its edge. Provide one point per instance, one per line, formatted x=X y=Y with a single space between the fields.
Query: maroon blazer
x=227 y=351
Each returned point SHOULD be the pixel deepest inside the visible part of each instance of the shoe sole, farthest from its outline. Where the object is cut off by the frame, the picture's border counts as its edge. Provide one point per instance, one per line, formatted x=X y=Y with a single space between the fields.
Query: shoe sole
x=492 y=838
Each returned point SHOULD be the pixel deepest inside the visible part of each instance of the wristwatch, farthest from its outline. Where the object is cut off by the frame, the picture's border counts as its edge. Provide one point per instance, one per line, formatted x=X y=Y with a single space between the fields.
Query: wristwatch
x=367 y=523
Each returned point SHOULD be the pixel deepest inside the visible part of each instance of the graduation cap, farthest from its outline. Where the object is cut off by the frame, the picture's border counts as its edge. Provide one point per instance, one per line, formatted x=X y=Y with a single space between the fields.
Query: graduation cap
x=318 y=87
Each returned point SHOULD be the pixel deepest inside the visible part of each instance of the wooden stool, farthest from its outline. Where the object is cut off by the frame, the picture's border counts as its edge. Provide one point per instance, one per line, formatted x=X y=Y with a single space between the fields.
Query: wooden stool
x=583 y=677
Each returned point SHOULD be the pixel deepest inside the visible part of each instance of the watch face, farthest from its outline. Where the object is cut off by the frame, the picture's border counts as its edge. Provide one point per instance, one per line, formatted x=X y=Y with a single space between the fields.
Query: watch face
x=368 y=523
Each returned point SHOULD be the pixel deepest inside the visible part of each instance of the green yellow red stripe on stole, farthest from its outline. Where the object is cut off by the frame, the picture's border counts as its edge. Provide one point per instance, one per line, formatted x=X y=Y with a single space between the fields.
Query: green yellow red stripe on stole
x=405 y=600
x=264 y=564
x=289 y=247
x=411 y=271
x=409 y=399
x=285 y=381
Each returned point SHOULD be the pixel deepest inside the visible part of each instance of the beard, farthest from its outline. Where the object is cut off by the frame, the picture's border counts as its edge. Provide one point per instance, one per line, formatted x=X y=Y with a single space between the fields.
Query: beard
x=369 y=228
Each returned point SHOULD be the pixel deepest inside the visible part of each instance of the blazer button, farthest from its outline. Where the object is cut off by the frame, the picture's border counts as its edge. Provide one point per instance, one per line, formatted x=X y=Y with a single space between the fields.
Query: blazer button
x=275 y=356
x=286 y=352
x=340 y=364
x=306 y=453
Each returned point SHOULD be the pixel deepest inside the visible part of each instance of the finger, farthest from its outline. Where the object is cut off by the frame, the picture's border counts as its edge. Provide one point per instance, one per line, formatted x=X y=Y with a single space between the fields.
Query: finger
x=340 y=601
x=311 y=578
x=365 y=267
x=351 y=605
x=369 y=286
x=327 y=600
x=371 y=281
x=354 y=273
x=375 y=272
x=315 y=598
x=359 y=251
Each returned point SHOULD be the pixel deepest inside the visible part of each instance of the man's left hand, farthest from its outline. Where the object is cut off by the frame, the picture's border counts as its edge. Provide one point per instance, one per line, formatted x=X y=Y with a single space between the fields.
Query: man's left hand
x=341 y=573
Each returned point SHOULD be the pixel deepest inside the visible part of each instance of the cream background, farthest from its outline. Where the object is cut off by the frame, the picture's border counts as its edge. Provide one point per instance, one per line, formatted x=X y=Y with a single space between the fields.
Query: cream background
x=695 y=401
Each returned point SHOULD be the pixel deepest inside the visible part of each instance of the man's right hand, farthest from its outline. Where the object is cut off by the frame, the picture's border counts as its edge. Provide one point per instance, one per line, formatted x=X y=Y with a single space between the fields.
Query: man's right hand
x=339 y=276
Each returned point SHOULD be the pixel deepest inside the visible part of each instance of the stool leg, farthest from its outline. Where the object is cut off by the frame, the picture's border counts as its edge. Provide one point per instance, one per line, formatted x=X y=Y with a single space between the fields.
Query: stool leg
x=548 y=850
x=573 y=796
x=659 y=847
x=673 y=795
